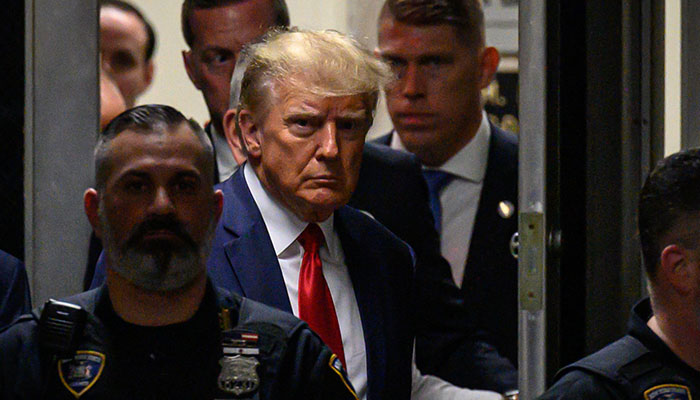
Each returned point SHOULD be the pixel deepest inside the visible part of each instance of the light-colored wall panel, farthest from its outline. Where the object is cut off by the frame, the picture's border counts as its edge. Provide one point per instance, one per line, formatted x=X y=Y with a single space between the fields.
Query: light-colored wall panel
x=171 y=85
x=61 y=123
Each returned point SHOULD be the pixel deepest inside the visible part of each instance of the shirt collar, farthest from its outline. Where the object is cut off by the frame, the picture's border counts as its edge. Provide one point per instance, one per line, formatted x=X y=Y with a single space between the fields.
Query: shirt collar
x=469 y=162
x=225 y=162
x=282 y=225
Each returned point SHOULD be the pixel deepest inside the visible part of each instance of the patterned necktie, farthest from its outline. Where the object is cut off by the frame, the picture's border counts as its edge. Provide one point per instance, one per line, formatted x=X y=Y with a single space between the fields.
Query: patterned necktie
x=436 y=182
x=315 y=301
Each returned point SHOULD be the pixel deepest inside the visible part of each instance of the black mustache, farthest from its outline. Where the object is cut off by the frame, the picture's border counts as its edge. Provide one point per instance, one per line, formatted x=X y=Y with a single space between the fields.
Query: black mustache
x=160 y=223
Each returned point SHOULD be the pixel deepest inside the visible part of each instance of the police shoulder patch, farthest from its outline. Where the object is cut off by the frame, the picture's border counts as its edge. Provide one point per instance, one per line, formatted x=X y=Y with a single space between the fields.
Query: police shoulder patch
x=668 y=391
x=79 y=373
x=337 y=367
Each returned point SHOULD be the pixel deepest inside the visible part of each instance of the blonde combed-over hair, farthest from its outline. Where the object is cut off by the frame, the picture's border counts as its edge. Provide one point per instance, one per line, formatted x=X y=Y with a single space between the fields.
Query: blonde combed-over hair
x=323 y=63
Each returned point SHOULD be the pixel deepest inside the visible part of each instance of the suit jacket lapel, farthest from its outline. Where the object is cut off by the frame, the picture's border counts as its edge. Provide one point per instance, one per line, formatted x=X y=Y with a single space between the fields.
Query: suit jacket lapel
x=207 y=130
x=494 y=190
x=250 y=253
x=368 y=293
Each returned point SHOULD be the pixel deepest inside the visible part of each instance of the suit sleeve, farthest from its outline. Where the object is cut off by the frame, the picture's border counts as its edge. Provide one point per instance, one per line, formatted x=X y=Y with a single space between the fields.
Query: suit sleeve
x=19 y=360
x=311 y=371
x=14 y=289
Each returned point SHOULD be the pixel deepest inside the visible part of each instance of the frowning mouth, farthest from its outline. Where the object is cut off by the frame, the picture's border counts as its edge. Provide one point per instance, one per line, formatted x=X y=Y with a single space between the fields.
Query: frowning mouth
x=161 y=234
x=324 y=179
x=416 y=119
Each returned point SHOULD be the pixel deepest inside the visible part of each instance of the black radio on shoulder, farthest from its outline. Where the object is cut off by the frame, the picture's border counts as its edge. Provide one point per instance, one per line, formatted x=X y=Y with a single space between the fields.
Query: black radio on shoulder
x=60 y=327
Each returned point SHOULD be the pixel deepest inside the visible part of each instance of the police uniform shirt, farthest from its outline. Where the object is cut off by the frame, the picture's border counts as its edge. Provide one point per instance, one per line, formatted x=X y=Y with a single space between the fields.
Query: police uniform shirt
x=116 y=360
x=169 y=361
x=638 y=366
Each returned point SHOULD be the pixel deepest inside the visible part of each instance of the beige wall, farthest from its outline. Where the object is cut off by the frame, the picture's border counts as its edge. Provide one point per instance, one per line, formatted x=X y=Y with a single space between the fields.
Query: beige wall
x=171 y=84
x=672 y=78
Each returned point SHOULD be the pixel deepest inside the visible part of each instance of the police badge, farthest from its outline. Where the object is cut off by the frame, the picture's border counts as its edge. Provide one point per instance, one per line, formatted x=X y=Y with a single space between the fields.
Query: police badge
x=238 y=374
x=668 y=391
x=78 y=374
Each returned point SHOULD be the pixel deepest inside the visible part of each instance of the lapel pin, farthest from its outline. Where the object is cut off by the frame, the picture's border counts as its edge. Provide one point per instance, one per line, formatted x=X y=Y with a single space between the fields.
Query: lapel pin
x=506 y=209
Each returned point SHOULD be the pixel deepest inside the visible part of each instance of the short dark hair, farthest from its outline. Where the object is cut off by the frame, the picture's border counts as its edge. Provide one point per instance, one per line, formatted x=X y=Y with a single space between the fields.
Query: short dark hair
x=124 y=6
x=668 y=203
x=465 y=15
x=146 y=119
x=279 y=8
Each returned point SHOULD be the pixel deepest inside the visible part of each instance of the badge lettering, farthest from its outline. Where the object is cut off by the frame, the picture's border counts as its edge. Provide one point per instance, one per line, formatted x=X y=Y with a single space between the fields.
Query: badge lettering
x=668 y=392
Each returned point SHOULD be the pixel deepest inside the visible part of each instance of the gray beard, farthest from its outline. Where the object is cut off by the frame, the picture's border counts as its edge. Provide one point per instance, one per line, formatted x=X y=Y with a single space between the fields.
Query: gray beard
x=163 y=270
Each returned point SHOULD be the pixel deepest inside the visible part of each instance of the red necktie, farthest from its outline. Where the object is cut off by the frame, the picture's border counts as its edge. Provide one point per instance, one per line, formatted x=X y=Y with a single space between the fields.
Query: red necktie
x=315 y=301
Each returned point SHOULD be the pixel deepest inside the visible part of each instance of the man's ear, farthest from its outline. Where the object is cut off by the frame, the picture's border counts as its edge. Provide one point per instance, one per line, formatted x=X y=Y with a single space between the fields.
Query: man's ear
x=188 y=59
x=218 y=204
x=677 y=267
x=250 y=132
x=232 y=138
x=150 y=69
x=488 y=65
x=91 y=203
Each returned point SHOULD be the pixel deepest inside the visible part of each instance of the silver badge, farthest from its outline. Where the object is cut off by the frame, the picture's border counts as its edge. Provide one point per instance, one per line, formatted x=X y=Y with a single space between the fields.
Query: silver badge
x=238 y=374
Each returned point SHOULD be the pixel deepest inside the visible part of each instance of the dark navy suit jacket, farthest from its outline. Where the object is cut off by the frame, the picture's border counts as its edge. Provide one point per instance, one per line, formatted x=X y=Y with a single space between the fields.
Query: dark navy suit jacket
x=448 y=344
x=243 y=260
x=490 y=286
x=14 y=289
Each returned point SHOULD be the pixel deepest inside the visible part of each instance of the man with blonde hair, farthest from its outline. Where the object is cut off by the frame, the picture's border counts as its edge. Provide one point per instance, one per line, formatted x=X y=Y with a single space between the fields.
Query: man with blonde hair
x=286 y=237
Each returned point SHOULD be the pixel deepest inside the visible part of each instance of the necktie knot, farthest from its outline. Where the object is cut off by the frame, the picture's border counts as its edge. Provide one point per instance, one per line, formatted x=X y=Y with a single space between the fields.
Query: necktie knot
x=436 y=179
x=311 y=238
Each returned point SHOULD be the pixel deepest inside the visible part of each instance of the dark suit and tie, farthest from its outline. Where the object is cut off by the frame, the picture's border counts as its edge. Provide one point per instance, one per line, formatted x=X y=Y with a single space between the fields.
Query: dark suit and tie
x=448 y=343
x=490 y=284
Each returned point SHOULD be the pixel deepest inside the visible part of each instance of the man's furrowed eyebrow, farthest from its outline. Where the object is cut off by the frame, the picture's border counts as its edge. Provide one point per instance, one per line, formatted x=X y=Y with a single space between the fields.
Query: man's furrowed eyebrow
x=360 y=113
x=133 y=174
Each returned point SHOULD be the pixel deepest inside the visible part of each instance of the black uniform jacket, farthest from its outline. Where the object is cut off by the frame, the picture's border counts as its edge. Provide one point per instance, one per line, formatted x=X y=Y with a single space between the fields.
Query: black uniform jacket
x=638 y=366
x=260 y=353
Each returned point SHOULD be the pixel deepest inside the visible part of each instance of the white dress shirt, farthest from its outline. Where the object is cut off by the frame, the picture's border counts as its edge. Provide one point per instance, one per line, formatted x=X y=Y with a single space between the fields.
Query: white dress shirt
x=225 y=163
x=459 y=200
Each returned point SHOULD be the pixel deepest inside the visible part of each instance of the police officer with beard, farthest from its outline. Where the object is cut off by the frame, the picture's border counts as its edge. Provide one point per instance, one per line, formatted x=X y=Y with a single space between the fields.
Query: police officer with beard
x=158 y=328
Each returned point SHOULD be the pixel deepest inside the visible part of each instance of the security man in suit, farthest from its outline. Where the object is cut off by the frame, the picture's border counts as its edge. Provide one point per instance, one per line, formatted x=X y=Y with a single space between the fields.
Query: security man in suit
x=159 y=328
x=437 y=50
x=216 y=31
x=659 y=358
